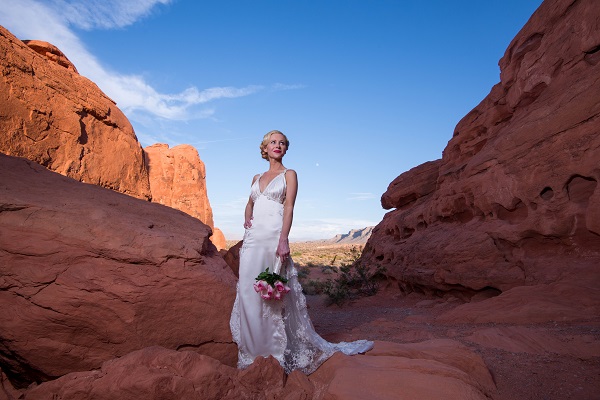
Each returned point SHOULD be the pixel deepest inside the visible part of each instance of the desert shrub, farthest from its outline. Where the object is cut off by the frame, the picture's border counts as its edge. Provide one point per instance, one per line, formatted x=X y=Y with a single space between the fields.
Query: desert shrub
x=303 y=272
x=326 y=269
x=313 y=287
x=354 y=280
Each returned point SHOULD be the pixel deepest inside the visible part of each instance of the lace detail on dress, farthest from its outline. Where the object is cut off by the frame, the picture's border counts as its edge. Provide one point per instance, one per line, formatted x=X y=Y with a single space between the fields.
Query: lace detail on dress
x=306 y=350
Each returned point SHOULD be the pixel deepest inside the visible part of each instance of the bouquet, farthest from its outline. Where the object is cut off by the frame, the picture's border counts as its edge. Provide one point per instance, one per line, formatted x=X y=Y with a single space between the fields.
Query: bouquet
x=271 y=285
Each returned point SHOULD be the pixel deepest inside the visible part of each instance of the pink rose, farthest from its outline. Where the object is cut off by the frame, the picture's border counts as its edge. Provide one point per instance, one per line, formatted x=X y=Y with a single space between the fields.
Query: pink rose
x=260 y=286
x=277 y=295
x=279 y=286
x=286 y=289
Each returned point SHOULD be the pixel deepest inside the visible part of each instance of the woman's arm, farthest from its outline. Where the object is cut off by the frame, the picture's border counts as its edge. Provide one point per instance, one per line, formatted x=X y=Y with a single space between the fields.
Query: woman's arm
x=283 y=249
x=249 y=207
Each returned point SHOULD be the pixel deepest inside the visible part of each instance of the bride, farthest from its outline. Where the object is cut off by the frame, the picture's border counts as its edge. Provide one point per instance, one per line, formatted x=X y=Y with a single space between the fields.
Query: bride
x=278 y=328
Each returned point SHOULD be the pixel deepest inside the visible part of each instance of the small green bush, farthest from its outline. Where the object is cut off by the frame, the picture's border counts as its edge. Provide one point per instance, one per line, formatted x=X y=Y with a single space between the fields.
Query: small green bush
x=354 y=280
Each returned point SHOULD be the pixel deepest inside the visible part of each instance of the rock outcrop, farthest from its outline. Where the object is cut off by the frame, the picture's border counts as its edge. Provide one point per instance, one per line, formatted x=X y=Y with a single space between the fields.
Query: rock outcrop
x=88 y=274
x=354 y=236
x=52 y=115
x=429 y=370
x=515 y=199
x=178 y=179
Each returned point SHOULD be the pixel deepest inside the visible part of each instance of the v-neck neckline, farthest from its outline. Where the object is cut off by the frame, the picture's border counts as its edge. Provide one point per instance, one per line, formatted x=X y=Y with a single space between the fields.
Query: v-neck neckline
x=268 y=184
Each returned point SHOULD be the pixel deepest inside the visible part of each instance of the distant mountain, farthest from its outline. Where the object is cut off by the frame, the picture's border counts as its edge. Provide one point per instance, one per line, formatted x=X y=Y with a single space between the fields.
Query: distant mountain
x=355 y=236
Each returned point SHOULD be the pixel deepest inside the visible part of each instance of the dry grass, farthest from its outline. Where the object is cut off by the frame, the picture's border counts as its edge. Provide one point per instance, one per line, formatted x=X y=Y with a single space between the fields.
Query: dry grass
x=318 y=254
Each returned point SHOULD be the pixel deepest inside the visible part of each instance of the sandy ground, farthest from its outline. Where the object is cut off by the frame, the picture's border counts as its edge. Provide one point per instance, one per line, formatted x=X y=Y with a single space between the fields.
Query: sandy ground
x=518 y=375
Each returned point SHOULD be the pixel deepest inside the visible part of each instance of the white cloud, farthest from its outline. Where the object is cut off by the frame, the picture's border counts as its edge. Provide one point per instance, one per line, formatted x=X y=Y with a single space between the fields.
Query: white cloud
x=50 y=20
x=106 y=14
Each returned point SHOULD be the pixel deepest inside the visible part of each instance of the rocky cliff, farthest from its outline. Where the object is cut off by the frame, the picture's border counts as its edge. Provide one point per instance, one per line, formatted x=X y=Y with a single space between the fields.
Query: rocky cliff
x=178 y=179
x=514 y=201
x=354 y=236
x=52 y=115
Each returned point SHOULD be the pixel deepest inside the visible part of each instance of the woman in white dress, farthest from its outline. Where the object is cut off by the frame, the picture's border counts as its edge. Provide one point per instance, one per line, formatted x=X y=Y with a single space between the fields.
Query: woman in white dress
x=278 y=328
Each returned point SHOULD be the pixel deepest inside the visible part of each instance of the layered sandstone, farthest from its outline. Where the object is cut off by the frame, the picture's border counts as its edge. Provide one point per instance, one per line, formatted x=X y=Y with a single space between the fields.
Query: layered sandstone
x=514 y=200
x=178 y=179
x=88 y=274
x=52 y=115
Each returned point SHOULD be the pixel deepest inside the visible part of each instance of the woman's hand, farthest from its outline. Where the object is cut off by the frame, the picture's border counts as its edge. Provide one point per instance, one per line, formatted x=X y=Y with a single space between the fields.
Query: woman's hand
x=248 y=223
x=283 y=250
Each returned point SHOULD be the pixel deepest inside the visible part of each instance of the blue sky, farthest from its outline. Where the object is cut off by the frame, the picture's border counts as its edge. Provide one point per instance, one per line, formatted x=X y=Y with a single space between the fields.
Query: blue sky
x=365 y=90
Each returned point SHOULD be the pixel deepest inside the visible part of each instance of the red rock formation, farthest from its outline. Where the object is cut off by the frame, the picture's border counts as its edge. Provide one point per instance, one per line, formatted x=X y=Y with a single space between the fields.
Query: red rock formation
x=88 y=274
x=515 y=198
x=57 y=118
x=429 y=370
x=178 y=179
x=51 y=52
x=232 y=258
x=60 y=119
x=218 y=239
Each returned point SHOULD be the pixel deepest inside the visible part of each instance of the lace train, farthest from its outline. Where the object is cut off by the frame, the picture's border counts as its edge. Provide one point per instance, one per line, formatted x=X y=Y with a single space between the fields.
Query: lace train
x=304 y=350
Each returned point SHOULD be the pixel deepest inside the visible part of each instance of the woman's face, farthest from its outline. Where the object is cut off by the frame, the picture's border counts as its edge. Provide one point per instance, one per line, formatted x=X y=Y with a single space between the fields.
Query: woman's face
x=276 y=147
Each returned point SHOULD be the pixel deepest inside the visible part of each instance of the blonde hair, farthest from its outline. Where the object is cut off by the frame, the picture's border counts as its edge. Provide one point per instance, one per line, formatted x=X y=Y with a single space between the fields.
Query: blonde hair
x=265 y=141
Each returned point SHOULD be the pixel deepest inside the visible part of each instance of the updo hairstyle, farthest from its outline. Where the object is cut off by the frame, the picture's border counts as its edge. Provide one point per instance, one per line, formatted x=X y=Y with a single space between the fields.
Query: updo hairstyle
x=265 y=142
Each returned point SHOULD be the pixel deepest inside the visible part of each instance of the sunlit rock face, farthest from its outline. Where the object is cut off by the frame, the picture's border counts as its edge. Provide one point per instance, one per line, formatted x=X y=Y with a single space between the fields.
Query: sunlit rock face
x=52 y=115
x=178 y=179
x=515 y=199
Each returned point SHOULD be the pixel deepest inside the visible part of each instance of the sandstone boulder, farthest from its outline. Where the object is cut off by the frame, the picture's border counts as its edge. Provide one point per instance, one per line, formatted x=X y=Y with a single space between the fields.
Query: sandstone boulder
x=218 y=239
x=51 y=52
x=514 y=200
x=88 y=274
x=435 y=369
x=232 y=257
x=52 y=115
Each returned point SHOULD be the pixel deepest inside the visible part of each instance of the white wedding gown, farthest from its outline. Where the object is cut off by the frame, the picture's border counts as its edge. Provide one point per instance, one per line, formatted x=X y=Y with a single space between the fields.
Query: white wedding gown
x=281 y=328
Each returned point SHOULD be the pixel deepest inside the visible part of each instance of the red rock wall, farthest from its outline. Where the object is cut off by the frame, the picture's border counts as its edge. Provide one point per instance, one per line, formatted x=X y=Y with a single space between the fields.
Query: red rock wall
x=88 y=275
x=178 y=179
x=63 y=121
x=515 y=198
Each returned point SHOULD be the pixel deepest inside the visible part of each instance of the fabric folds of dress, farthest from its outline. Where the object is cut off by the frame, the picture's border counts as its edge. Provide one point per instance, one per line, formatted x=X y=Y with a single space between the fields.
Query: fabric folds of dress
x=281 y=328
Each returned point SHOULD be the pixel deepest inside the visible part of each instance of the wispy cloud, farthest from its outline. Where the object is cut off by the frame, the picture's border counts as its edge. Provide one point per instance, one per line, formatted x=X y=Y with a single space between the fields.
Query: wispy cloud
x=283 y=86
x=106 y=14
x=361 y=196
x=51 y=21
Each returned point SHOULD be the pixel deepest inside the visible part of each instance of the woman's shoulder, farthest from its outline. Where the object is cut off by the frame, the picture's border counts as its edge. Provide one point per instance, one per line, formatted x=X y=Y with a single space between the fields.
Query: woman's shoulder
x=290 y=174
x=255 y=178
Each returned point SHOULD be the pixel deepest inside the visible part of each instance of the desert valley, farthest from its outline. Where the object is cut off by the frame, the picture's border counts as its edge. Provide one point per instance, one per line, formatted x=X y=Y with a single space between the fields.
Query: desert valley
x=481 y=282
